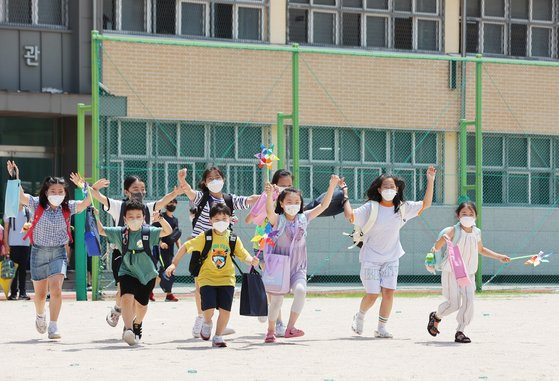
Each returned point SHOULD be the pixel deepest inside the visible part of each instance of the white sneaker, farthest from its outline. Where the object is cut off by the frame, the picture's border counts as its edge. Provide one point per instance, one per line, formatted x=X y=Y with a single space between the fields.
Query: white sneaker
x=382 y=333
x=262 y=319
x=112 y=317
x=197 y=326
x=357 y=324
x=280 y=329
x=54 y=334
x=206 y=331
x=41 y=323
x=218 y=342
x=129 y=337
x=228 y=331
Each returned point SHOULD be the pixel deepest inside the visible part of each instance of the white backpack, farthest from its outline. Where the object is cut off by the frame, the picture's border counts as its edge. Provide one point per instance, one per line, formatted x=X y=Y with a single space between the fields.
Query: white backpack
x=360 y=231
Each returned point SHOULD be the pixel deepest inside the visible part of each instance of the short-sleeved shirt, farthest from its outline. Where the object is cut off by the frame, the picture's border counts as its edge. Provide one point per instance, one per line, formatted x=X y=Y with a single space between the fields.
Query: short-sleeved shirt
x=382 y=244
x=203 y=223
x=136 y=262
x=115 y=207
x=15 y=236
x=51 y=229
x=218 y=268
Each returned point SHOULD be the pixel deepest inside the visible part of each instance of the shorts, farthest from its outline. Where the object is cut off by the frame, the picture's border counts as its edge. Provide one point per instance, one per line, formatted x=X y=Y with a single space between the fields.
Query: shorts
x=47 y=261
x=115 y=263
x=377 y=275
x=217 y=297
x=131 y=285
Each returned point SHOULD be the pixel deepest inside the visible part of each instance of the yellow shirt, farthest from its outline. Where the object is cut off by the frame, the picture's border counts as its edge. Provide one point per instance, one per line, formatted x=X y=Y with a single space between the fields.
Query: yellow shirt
x=218 y=268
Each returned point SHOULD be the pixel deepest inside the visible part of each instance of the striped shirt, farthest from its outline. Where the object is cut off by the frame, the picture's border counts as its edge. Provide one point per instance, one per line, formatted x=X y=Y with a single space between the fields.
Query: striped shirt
x=51 y=229
x=203 y=223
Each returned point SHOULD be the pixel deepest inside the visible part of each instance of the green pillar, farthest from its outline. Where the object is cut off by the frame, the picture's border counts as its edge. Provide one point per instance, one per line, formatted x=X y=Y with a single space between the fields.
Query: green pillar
x=295 y=114
x=95 y=143
x=479 y=162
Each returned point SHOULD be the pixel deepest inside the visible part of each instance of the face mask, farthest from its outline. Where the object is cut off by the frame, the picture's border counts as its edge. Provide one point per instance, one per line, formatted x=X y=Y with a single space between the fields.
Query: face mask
x=56 y=200
x=220 y=226
x=467 y=221
x=171 y=208
x=292 y=210
x=134 y=224
x=139 y=196
x=215 y=186
x=388 y=194
x=281 y=189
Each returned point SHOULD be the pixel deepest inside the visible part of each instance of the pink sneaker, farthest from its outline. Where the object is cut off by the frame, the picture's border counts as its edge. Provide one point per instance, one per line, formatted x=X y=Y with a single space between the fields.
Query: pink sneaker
x=293 y=332
x=270 y=337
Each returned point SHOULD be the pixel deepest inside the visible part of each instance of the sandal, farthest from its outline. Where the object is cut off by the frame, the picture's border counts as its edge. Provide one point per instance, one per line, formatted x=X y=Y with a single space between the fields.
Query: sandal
x=433 y=331
x=270 y=337
x=461 y=338
x=293 y=332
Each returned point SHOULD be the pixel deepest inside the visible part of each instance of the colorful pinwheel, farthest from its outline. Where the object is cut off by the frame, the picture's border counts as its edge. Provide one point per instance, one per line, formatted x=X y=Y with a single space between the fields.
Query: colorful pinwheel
x=266 y=157
x=264 y=236
x=537 y=259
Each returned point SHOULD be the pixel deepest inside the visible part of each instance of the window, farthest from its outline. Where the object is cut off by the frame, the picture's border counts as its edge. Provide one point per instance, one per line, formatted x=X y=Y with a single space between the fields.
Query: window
x=193 y=20
x=395 y=24
x=165 y=16
x=109 y=15
x=249 y=23
x=519 y=28
x=132 y=15
x=46 y=13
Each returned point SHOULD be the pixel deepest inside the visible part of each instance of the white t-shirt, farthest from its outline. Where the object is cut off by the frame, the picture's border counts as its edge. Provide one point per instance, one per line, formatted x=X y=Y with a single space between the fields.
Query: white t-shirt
x=382 y=244
x=468 y=246
x=116 y=205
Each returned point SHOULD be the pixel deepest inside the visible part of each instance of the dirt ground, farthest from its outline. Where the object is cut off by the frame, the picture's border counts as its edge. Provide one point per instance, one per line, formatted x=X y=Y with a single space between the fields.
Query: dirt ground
x=514 y=338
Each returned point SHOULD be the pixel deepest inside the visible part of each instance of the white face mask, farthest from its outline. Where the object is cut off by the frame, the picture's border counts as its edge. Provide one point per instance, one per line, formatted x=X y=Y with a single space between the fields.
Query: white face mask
x=388 y=194
x=134 y=224
x=220 y=226
x=292 y=210
x=55 y=200
x=215 y=186
x=467 y=221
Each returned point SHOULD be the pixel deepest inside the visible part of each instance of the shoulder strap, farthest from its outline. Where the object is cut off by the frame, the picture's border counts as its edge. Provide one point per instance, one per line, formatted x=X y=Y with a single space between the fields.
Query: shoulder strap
x=232 y=243
x=372 y=218
x=38 y=213
x=67 y=214
x=228 y=198
x=120 y=221
x=207 y=245
x=145 y=239
x=147 y=214
x=402 y=211
x=200 y=208
x=457 y=233
x=124 y=236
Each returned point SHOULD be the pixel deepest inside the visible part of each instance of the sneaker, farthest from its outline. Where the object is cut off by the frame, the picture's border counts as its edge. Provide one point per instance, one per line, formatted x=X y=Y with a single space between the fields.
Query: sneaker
x=357 y=324
x=262 y=319
x=270 y=338
x=206 y=331
x=12 y=297
x=382 y=333
x=152 y=297
x=197 y=326
x=280 y=329
x=137 y=328
x=24 y=297
x=54 y=334
x=228 y=331
x=171 y=298
x=129 y=337
x=41 y=323
x=113 y=316
x=218 y=342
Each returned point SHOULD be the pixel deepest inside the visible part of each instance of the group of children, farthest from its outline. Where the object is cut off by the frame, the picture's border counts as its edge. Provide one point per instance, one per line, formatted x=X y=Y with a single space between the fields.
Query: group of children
x=213 y=248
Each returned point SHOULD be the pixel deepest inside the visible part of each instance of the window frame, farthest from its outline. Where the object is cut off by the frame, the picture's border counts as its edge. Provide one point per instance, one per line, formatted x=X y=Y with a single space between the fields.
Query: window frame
x=4 y=16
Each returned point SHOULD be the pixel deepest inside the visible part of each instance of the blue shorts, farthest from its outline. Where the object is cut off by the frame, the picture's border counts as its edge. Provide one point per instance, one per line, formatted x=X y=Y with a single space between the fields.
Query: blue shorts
x=47 y=261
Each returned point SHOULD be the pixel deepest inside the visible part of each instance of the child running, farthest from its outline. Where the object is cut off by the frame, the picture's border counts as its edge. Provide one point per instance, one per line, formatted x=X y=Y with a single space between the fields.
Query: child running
x=381 y=219
x=48 y=235
x=217 y=247
x=468 y=239
x=288 y=218
x=137 y=272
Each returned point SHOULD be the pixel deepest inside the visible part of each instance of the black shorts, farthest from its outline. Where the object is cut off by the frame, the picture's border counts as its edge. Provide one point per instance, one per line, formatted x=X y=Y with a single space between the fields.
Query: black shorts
x=217 y=297
x=115 y=264
x=131 y=285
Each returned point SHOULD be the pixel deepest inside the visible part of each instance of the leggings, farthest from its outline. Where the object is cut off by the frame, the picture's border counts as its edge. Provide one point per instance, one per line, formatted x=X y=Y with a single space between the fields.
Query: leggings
x=299 y=290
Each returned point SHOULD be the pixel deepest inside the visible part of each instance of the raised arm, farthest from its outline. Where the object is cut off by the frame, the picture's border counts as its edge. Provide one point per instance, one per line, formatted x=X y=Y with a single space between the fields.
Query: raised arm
x=167 y=230
x=428 y=199
x=317 y=210
x=168 y=198
x=79 y=181
x=13 y=171
x=100 y=226
x=486 y=252
x=447 y=234
x=348 y=210
x=95 y=192
x=185 y=186
x=251 y=200
x=270 y=209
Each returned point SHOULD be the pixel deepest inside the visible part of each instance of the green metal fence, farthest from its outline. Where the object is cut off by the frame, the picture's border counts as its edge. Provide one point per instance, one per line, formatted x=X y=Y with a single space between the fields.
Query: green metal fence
x=161 y=105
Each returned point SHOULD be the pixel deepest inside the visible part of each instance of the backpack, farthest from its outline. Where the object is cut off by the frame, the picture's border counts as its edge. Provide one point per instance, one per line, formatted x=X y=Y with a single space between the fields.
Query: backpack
x=121 y=218
x=440 y=256
x=204 y=200
x=360 y=231
x=145 y=240
x=198 y=257
x=39 y=213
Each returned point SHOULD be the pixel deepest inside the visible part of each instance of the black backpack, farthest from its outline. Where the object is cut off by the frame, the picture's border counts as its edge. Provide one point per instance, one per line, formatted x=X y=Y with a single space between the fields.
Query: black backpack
x=198 y=257
x=145 y=240
x=205 y=198
x=147 y=215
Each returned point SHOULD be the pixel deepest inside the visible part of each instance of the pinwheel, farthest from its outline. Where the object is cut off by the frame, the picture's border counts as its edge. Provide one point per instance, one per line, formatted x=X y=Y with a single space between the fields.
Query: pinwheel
x=264 y=237
x=266 y=158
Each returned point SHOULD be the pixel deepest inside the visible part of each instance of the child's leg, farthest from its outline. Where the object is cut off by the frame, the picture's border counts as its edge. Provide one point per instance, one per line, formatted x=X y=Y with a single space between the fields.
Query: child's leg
x=299 y=290
x=208 y=315
x=118 y=301
x=40 y=299
x=222 y=321
x=273 y=311
x=367 y=302
x=466 y=312
x=55 y=289
x=141 y=311
x=385 y=306
x=197 y=297
x=128 y=311
x=451 y=293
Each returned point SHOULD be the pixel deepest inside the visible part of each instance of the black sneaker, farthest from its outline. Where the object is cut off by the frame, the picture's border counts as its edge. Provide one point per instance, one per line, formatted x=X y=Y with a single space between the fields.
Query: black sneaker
x=12 y=297
x=137 y=328
x=24 y=297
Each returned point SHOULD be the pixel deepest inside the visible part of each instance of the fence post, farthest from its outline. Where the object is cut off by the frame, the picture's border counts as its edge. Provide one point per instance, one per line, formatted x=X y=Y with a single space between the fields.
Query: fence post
x=95 y=143
x=479 y=162
x=281 y=139
x=295 y=114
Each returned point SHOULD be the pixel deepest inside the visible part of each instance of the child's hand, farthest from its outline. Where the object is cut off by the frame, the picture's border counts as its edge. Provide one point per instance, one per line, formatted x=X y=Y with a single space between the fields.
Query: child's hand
x=13 y=169
x=100 y=184
x=255 y=261
x=181 y=175
x=163 y=245
x=269 y=189
x=431 y=172
x=341 y=183
x=170 y=270
x=504 y=259
x=77 y=179
x=156 y=217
